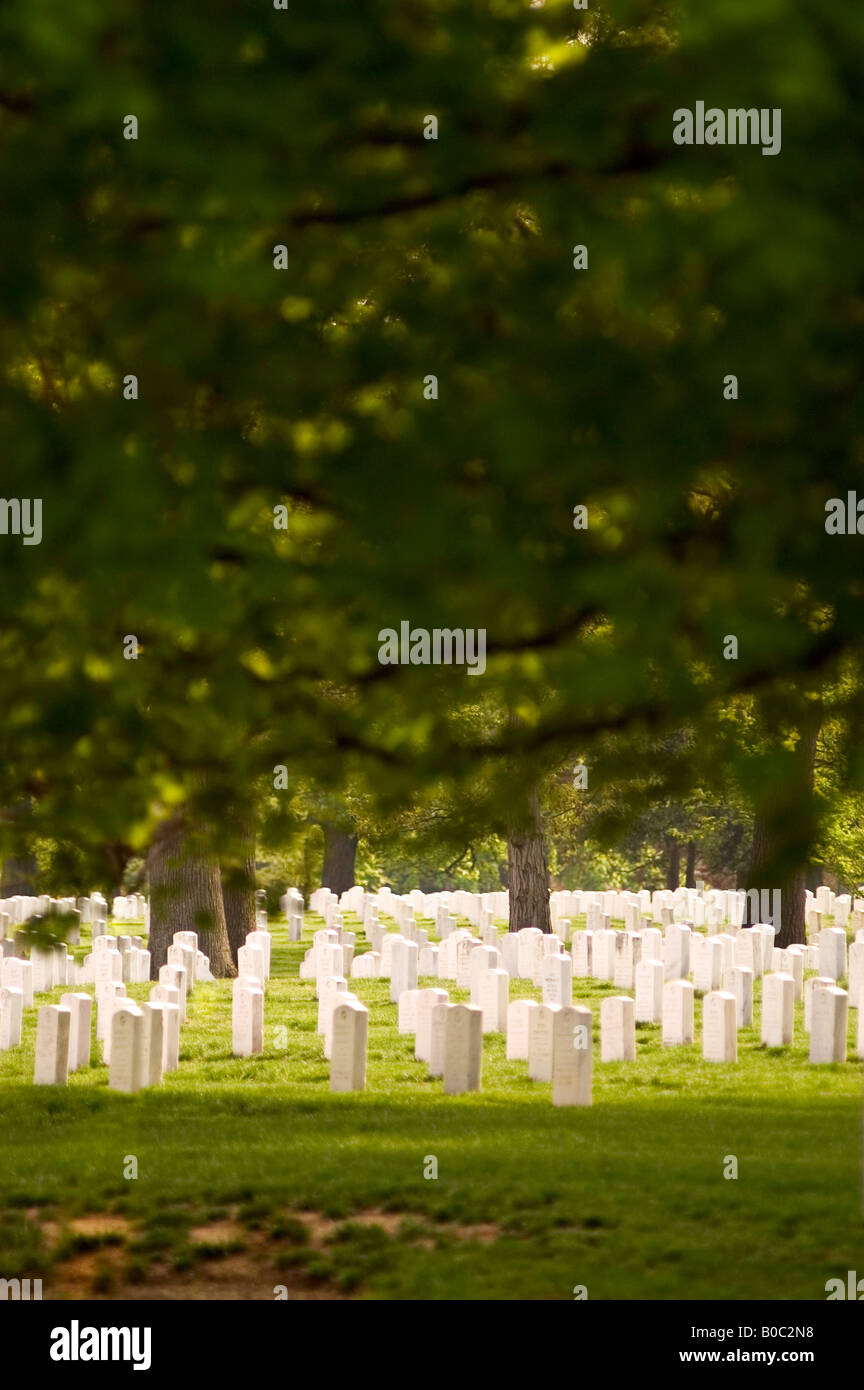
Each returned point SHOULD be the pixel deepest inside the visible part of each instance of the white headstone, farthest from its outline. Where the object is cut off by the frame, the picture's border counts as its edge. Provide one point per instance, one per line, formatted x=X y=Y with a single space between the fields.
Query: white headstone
x=778 y=1010
x=327 y=991
x=407 y=1012
x=494 y=991
x=832 y=953
x=429 y=998
x=814 y=982
x=557 y=982
x=107 y=993
x=11 y=1014
x=42 y=961
x=251 y=964
x=856 y=975
x=127 y=1044
x=748 y=951
x=572 y=1028
x=738 y=980
x=366 y=967
x=170 y=1034
x=247 y=1021
x=604 y=954
x=482 y=959
x=107 y=965
x=540 y=1042
x=174 y=976
x=676 y=951
x=793 y=962
x=526 y=939
x=618 y=1029
x=678 y=1011
x=463 y=1049
x=80 y=1008
x=829 y=1013
x=264 y=940
x=583 y=955
x=708 y=965
x=403 y=968
x=719 y=1028
x=188 y=939
x=519 y=1028
x=152 y=1045
x=437 y=1036
x=350 y=1031
x=649 y=991
x=18 y=974
x=427 y=961
x=509 y=948
x=184 y=957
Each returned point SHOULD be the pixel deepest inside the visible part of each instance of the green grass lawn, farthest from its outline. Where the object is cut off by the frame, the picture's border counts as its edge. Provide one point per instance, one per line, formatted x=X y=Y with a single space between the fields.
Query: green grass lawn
x=252 y=1173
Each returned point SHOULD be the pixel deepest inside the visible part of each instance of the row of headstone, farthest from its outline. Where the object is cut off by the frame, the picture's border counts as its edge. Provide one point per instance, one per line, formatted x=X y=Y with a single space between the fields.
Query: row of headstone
x=142 y=1042
x=485 y=965
x=139 y=1042
x=291 y=904
x=129 y=907
x=343 y=1020
x=121 y=958
x=331 y=953
x=480 y=909
x=247 y=1001
x=15 y=911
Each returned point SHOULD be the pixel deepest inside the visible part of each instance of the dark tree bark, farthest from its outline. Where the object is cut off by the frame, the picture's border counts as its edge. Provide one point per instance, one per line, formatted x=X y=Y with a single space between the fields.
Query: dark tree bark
x=690 y=872
x=19 y=877
x=528 y=870
x=238 y=893
x=783 y=829
x=20 y=869
x=310 y=866
x=116 y=856
x=673 y=864
x=340 y=853
x=186 y=895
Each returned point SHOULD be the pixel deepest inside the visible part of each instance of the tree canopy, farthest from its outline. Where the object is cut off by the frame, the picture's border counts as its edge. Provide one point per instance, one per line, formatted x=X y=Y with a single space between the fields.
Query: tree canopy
x=282 y=259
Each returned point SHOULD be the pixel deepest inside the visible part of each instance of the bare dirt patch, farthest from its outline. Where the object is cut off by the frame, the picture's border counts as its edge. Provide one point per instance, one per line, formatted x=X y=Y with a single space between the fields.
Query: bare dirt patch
x=250 y=1273
x=218 y=1233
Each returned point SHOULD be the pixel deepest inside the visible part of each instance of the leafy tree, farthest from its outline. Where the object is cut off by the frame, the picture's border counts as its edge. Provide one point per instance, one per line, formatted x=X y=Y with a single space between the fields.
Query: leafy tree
x=301 y=396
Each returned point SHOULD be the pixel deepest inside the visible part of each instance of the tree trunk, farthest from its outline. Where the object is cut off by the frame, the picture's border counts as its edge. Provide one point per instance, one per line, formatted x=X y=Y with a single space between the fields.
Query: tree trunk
x=783 y=829
x=528 y=871
x=186 y=895
x=690 y=872
x=310 y=872
x=19 y=877
x=673 y=864
x=238 y=894
x=340 y=852
x=116 y=856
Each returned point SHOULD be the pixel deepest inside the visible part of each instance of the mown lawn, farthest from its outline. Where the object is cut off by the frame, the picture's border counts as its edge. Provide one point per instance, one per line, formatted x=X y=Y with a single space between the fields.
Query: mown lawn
x=252 y=1176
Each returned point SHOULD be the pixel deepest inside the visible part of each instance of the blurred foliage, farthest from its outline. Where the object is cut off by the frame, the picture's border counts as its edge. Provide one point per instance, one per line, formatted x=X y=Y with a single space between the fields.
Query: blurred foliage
x=52 y=928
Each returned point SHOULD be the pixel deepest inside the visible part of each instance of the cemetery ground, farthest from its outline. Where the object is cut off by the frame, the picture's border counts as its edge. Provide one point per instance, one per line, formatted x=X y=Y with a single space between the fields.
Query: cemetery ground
x=253 y=1175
